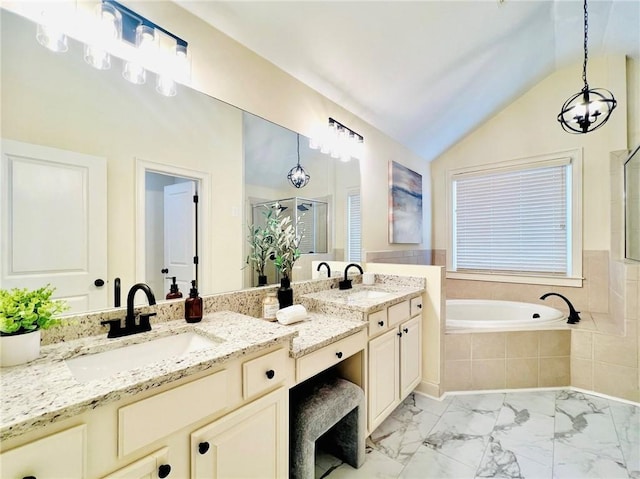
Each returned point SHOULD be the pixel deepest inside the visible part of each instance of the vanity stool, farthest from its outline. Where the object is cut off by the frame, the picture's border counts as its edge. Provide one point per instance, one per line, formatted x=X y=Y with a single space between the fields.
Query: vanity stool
x=316 y=408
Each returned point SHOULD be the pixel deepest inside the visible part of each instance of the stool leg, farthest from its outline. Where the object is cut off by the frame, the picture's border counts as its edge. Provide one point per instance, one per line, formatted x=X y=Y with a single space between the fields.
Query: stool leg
x=349 y=437
x=302 y=458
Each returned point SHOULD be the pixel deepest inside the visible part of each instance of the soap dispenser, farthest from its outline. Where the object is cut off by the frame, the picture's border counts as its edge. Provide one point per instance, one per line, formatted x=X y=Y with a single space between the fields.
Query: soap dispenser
x=174 y=292
x=193 y=305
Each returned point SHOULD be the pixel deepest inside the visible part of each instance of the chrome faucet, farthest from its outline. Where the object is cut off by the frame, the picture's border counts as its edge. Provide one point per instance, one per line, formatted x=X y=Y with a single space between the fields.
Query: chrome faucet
x=346 y=283
x=328 y=268
x=574 y=317
x=130 y=326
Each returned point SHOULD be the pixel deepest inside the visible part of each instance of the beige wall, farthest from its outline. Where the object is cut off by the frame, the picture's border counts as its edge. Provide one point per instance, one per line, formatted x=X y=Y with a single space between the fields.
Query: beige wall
x=528 y=127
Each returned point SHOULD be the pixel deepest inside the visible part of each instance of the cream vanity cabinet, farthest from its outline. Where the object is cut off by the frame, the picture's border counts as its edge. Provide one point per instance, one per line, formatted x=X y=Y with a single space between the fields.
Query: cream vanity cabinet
x=60 y=455
x=395 y=357
x=250 y=442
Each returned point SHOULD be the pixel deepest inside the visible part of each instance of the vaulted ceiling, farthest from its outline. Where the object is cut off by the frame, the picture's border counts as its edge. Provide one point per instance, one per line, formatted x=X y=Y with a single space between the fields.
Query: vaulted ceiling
x=425 y=72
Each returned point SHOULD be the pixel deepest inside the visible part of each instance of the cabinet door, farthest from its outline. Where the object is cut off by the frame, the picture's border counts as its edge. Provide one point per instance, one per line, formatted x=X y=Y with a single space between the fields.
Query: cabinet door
x=250 y=442
x=153 y=466
x=56 y=456
x=410 y=355
x=383 y=377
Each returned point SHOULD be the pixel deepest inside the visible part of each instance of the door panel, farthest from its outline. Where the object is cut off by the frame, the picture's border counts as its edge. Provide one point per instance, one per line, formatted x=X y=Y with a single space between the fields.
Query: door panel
x=180 y=234
x=54 y=222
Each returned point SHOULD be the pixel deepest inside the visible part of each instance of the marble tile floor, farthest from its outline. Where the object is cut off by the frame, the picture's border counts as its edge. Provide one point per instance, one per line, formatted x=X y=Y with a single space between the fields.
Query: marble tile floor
x=535 y=434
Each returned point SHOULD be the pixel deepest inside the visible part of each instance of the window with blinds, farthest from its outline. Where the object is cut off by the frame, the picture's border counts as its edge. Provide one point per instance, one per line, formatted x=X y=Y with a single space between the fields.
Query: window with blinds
x=513 y=222
x=354 y=243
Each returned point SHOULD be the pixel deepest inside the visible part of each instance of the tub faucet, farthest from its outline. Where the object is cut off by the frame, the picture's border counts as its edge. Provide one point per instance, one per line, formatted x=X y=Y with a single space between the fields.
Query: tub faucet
x=328 y=268
x=346 y=283
x=130 y=326
x=574 y=317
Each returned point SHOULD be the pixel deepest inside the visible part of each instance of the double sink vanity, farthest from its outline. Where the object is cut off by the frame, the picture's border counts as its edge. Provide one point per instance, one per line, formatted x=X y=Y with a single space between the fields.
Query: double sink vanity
x=209 y=399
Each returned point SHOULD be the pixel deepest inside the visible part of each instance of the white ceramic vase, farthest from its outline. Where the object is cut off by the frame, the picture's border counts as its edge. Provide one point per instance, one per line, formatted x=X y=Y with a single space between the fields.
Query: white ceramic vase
x=19 y=348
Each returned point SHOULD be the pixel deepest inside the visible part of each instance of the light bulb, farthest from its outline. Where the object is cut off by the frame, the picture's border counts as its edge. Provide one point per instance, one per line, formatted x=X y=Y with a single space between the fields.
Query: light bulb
x=166 y=86
x=134 y=73
x=51 y=38
x=96 y=57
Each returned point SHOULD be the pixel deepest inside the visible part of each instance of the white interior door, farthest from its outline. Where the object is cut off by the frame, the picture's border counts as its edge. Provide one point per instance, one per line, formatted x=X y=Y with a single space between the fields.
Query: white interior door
x=180 y=234
x=54 y=223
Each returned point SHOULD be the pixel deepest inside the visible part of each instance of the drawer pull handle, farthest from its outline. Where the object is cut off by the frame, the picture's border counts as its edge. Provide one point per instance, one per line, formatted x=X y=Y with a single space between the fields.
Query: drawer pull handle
x=406 y=330
x=270 y=373
x=380 y=323
x=29 y=477
x=203 y=447
x=164 y=470
x=339 y=354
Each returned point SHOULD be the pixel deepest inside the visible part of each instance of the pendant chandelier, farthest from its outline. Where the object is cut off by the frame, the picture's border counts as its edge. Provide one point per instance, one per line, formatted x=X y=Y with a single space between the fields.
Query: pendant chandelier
x=297 y=176
x=588 y=109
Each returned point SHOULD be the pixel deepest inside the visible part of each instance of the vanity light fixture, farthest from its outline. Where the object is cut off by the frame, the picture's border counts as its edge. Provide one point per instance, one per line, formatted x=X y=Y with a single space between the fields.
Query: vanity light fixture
x=590 y=108
x=339 y=141
x=297 y=176
x=113 y=29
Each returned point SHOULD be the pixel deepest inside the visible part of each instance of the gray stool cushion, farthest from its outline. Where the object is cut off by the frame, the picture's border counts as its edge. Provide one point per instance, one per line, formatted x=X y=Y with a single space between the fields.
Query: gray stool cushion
x=317 y=407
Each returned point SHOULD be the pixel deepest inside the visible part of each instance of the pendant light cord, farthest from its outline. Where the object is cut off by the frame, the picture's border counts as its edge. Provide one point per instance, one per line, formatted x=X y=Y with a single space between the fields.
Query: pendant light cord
x=298 y=136
x=586 y=31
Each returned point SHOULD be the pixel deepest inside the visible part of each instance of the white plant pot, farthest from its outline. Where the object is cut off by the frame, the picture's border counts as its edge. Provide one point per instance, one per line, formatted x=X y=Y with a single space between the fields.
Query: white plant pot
x=19 y=348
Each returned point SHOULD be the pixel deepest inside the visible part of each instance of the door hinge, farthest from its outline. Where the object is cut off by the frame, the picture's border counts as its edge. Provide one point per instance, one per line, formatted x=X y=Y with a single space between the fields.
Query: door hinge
x=195 y=198
x=195 y=260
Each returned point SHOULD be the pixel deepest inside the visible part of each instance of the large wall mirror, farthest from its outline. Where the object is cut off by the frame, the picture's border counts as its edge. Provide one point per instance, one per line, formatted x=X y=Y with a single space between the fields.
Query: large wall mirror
x=99 y=175
x=632 y=205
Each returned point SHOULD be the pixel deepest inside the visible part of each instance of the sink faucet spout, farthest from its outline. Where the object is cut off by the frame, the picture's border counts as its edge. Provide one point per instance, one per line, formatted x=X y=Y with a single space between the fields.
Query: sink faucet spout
x=346 y=283
x=328 y=268
x=130 y=320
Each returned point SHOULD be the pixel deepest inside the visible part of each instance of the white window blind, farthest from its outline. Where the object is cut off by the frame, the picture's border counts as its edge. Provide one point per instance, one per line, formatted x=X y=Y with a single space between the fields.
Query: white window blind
x=513 y=221
x=354 y=243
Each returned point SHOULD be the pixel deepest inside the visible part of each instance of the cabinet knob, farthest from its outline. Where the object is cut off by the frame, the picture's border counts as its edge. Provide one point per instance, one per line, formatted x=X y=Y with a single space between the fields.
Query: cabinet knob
x=399 y=334
x=419 y=305
x=339 y=354
x=380 y=323
x=203 y=447
x=29 y=477
x=164 y=470
x=406 y=330
x=99 y=282
x=270 y=373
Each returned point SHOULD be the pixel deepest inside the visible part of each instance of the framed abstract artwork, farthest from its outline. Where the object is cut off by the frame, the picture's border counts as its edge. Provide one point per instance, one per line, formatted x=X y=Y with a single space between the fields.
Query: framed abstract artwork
x=405 y=204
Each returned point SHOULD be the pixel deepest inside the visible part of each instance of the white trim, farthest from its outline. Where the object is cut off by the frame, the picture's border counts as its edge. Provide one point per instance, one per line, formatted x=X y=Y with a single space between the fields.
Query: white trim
x=525 y=390
x=203 y=181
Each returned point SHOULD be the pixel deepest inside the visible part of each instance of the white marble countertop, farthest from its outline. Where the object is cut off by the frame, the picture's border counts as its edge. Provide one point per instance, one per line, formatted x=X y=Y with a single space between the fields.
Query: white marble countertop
x=363 y=298
x=45 y=390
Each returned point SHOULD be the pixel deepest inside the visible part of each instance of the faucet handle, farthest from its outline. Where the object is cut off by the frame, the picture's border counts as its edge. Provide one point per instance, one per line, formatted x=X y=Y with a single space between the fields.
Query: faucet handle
x=114 y=327
x=145 y=325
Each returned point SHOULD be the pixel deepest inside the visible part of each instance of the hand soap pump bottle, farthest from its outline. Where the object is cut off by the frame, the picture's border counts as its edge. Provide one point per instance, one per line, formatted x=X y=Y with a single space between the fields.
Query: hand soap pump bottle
x=193 y=305
x=174 y=292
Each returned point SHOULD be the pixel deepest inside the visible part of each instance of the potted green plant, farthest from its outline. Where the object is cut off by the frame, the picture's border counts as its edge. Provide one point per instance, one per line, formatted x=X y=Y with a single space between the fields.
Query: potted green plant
x=23 y=313
x=286 y=242
x=261 y=244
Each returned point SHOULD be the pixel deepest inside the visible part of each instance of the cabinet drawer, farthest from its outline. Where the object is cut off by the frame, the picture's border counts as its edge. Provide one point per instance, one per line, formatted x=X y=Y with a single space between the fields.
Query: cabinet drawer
x=378 y=322
x=58 y=455
x=319 y=360
x=416 y=305
x=263 y=373
x=399 y=312
x=150 y=419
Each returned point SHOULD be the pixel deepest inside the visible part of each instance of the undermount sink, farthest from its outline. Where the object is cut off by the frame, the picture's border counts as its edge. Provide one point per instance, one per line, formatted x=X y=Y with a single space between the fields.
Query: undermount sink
x=107 y=363
x=368 y=294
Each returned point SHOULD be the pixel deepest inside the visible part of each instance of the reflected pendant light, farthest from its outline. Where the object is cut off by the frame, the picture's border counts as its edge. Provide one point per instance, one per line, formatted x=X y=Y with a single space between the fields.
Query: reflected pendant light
x=588 y=109
x=297 y=176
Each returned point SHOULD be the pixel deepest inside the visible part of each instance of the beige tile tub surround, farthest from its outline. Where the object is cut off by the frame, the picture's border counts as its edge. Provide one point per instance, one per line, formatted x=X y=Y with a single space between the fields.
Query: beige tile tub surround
x=514 y=359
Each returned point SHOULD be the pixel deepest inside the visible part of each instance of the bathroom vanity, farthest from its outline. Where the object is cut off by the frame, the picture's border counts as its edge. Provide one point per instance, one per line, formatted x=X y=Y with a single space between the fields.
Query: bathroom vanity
x=97 y=407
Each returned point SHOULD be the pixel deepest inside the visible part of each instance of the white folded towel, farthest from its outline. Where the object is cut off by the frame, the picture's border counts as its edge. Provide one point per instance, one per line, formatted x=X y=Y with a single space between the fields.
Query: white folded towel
x=291 y=314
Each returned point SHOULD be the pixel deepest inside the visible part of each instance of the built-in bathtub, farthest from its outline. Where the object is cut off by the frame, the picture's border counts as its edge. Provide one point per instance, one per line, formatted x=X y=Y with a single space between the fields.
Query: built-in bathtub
x=484 y=314
x=491 y=344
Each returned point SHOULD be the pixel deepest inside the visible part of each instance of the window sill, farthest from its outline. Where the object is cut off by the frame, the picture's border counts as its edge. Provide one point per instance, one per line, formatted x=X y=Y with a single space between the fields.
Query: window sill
x=522 y=279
